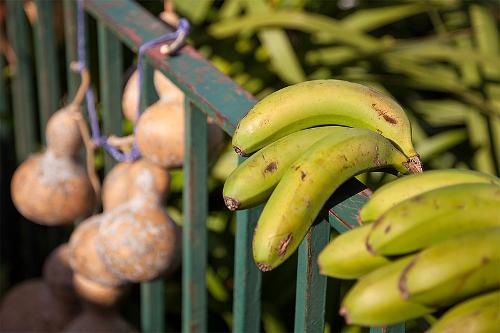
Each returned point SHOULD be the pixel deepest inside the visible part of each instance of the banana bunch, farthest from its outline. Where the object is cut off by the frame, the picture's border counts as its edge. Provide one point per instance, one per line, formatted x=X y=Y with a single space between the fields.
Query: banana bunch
x=427 y=241
x=306 y=140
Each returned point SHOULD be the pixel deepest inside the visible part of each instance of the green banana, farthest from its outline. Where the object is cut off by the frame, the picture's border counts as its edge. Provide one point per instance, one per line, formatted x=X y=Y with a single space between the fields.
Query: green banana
x=324 y=102
x=404 y=188
x=252 y=182
x=435 y=216
x=375 y=300
x=307 y=184
x=452 y=270
x=476 y=315
x=346 y=256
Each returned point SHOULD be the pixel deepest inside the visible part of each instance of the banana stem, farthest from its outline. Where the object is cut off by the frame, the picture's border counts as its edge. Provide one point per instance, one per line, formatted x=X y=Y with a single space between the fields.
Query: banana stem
x=414 y=165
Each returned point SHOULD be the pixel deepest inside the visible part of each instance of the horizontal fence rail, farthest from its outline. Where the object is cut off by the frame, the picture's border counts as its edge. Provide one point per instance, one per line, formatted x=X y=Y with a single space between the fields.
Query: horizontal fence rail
x=208 y=93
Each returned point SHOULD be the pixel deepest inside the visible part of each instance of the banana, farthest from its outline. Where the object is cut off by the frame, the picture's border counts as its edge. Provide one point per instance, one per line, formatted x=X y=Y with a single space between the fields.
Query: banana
x=404 y=188
x=375 y=300
x=252 y=182
x=452 y=270
x=479 y=314
x=307 y=184
x=435 y=216
x=324 y=102
x=346 y=256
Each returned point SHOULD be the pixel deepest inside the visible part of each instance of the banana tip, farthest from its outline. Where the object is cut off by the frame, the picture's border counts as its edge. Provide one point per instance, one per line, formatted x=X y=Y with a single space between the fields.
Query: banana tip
x=264 y=267
x=344 y=313
x=414 y=165
x=231 y=203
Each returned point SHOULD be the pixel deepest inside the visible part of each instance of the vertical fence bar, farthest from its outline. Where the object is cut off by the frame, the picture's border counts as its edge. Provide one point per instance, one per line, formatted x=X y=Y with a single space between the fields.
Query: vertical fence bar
x=110 y=76
x=69 y=7
x=25 y=134
x=311 y=286
x=22 y=89
x=152 y=292
x=46 y=62
x=195 y=206
x=247 y=277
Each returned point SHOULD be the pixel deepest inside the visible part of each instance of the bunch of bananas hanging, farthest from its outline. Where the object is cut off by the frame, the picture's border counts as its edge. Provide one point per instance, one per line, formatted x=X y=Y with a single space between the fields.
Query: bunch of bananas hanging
x=300 y=158
x=427 y=241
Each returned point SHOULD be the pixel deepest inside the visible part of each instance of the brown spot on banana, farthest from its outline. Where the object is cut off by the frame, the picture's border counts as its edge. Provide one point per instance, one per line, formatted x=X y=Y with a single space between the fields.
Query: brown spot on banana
x=271 y=167
x=385 y=114
x=302 y=175
x=402 y=286
x=239 y=151
x=284 y=244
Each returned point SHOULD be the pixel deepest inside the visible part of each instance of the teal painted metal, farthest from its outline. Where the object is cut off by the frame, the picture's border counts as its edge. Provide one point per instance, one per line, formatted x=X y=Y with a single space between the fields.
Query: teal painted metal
x=4 y=108
x=110 y=79
x=310 y=296
x=153 y=306
x=247 y=277
x=49 y=90
x=69 y=8
x=22 y=89
x=152 y=292
x=195 y=209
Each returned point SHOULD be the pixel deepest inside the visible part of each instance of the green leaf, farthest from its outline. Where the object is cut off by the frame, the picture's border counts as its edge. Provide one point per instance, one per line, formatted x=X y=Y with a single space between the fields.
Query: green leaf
x=373 y=18
x=296 y=20
x=487 y=37
x=477 y=127
x=283 y=58
x=444 y=112
x=332 y=55
x=440 y=143
x=196 y=11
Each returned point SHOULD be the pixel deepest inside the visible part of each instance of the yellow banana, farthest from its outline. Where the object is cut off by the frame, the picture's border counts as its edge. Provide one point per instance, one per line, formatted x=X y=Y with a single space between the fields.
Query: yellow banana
x=452 y=270
x=404 y=188
x=346 y=256
x=307 y=184
x=252 y=182
x=375 y=300
x=324 y=102
x=435 y=216
x=480 y=314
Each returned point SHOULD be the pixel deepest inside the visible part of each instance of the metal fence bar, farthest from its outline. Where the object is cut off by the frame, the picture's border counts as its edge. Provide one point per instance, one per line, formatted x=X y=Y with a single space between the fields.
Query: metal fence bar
x=4 y=108
x=49 y=90
x=195 y=209
x=152 y=292
x=247 y=277
x=110 y=78
x=22 y=89
x=205 y=86
x=69 y=8
x=310 y=296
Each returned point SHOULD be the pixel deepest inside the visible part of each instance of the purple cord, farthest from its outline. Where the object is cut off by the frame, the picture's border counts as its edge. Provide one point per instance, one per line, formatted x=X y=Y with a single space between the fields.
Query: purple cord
x=181 y=32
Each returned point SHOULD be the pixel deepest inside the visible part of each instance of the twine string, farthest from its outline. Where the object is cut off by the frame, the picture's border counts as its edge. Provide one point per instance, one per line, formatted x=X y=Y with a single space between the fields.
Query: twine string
x=177 y=38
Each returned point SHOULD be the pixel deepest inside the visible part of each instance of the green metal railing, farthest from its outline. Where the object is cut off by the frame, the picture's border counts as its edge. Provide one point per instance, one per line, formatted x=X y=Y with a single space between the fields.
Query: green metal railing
x=208 y=93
